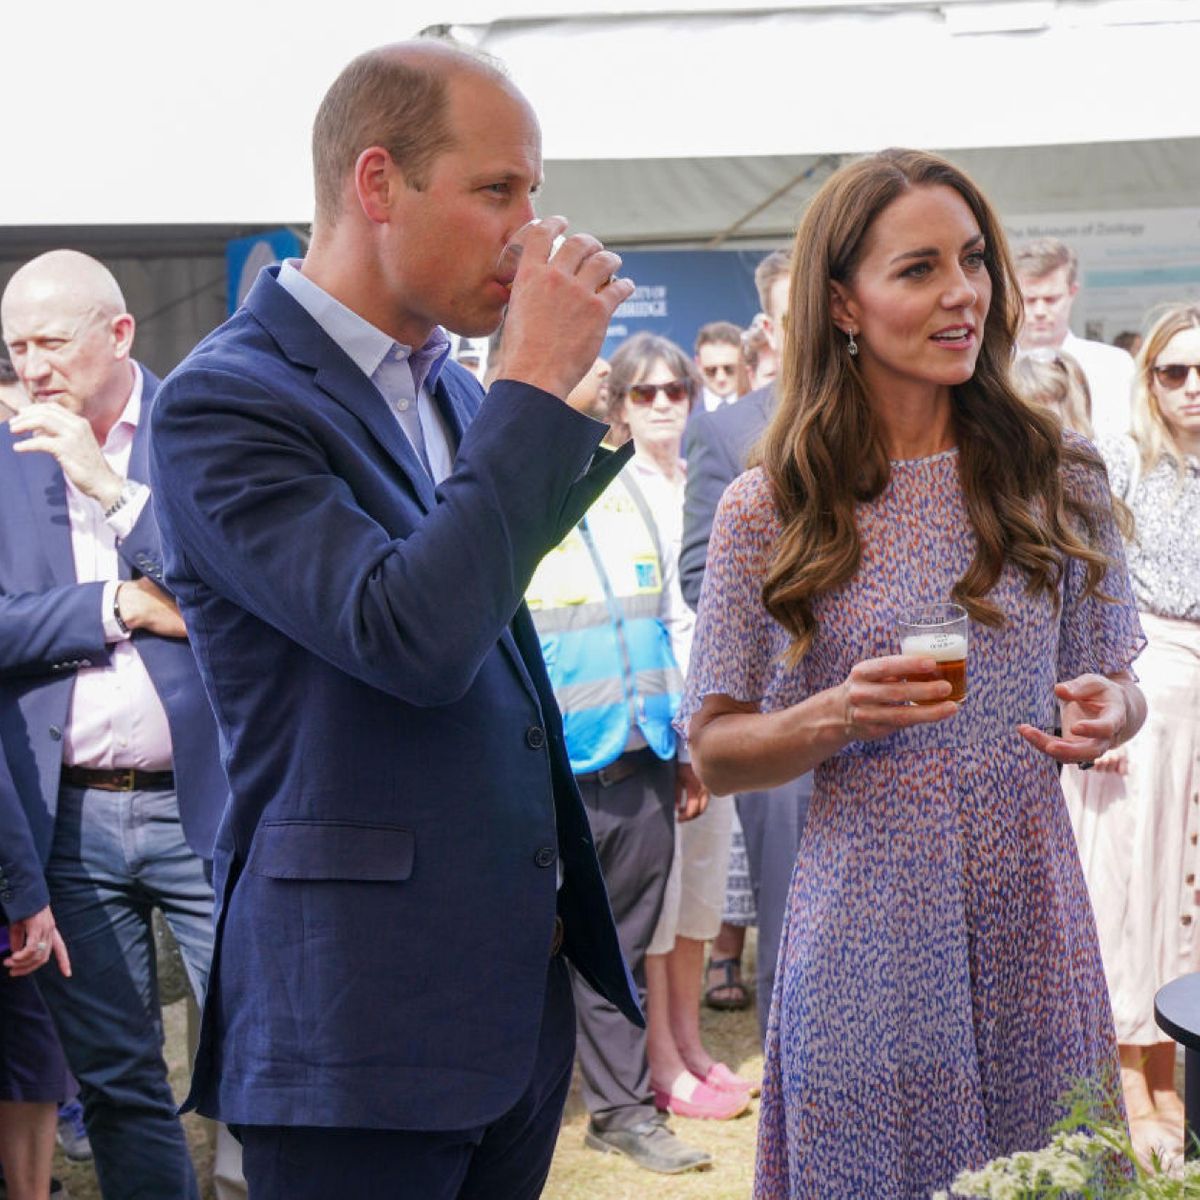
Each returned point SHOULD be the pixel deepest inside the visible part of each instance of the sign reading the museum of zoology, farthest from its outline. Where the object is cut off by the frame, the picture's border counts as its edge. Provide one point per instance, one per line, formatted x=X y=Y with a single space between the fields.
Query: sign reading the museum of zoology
x=1130 y=262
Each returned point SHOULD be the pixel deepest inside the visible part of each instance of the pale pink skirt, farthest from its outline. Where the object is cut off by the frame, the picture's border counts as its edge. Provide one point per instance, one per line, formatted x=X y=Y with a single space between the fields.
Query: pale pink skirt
x=1139 y=835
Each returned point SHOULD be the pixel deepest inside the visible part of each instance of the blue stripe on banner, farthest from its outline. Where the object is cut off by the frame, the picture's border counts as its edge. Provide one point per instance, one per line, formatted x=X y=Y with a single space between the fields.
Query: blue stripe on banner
x=1143 y=277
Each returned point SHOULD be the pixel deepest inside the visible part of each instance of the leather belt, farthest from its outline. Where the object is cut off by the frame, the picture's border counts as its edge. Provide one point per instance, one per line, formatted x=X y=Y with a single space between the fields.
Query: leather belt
x=622 y=768
x=127 y=779
x=556 y=941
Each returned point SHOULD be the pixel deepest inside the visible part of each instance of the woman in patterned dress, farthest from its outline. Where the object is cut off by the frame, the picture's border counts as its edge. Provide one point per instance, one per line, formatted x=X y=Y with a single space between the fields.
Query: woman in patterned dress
x=1136 y=816
x=940 y=986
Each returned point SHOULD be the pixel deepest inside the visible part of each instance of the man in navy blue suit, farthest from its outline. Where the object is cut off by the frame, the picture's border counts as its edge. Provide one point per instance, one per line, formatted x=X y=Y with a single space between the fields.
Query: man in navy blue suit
x=350 y=527
x=105 y=726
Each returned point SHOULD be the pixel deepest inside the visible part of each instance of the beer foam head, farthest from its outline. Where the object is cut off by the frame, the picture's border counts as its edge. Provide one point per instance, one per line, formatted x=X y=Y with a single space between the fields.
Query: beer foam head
x=941 y=647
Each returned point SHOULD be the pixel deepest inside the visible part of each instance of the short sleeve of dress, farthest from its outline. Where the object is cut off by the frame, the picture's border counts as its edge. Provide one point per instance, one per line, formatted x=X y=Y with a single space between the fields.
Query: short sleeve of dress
x=735 y=646
x=1099 y=635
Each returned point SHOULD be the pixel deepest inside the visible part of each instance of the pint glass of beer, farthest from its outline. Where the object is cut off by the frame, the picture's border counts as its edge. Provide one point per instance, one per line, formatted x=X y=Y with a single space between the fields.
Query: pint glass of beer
x=938 y=631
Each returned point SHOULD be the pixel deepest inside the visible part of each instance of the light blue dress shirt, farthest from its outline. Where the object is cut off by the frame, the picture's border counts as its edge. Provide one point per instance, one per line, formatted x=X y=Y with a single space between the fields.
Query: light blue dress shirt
x=403 y=376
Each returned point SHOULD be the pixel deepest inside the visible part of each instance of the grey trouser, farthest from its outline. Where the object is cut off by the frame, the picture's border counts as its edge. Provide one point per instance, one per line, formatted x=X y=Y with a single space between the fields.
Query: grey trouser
x=633 y=825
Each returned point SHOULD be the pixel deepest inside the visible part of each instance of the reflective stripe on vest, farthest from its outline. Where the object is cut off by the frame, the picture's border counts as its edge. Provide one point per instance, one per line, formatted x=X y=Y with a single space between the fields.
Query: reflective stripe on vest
x=596 y=600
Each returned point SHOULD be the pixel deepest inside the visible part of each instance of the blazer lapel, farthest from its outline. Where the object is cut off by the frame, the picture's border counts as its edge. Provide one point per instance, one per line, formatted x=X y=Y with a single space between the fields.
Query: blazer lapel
x=454 y=412
x=306 y=344
x=345 y=383
x=51 y=525
x=139 y=453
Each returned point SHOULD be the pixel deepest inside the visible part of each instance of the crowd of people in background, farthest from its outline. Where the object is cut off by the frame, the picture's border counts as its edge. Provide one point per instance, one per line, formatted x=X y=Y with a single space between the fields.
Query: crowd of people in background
x=112 y=788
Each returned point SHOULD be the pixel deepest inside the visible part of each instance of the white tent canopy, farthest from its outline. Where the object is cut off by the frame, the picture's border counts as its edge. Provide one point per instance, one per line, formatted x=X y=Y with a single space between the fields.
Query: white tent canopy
x=149 y=134
x=663 y=121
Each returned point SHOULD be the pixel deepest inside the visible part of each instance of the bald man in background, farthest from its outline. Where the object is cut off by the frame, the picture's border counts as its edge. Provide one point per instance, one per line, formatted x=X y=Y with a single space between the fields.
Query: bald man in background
x=104 y=722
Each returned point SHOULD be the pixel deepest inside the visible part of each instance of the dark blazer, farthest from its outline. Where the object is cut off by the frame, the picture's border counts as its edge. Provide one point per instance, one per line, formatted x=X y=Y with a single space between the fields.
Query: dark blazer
x=22 y=885
x=715 y=445
x=401 y=790
x=50 y=626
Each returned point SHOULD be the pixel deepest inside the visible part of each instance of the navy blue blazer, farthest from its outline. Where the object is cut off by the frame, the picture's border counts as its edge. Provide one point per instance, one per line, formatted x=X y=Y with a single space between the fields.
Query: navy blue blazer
x=51 y=625
x=401 y=791
x=22 y=886
x=715 y=445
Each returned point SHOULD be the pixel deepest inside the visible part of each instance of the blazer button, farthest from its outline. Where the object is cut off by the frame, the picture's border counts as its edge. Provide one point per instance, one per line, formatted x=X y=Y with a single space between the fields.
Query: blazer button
x=545 y=856
x=535 y=737
x=6 y=896
x=56 y=733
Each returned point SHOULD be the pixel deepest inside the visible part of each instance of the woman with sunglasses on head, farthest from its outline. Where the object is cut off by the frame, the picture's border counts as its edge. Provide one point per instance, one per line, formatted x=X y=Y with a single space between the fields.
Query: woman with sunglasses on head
x=652 y=389
x=939 y=988
x=1135 y=815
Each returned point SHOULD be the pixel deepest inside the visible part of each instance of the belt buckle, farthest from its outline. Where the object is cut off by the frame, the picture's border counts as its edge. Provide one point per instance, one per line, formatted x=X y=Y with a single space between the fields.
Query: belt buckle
x=604 y=777
x=126 y=782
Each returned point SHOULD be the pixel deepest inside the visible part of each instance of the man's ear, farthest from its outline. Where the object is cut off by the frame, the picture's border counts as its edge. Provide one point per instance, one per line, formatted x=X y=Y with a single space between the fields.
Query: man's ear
x=121 y=330
x=376 y=181
x=842 y=306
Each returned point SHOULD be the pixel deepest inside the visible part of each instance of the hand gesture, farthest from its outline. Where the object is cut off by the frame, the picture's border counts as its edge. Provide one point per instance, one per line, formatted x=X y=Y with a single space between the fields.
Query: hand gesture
x=144 y=605
x=1114 y=762
x=69 y=438
x=691 y=796
x=560 y=306
x=1094 y=714
x=33 y=941
x=880 y=696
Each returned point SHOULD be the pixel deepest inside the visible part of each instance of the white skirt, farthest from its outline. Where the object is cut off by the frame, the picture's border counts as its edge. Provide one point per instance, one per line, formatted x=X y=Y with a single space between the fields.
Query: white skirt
x=1138 y=835
x=695 y=893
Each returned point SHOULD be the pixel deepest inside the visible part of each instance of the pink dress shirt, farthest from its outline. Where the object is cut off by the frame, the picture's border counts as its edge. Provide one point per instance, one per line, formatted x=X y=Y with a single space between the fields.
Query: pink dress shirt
x=116 y=718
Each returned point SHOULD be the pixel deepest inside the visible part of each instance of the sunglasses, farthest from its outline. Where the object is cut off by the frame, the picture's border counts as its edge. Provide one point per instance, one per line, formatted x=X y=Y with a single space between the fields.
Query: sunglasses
x=724 y=368
x=1174 y=375
x=644 y=393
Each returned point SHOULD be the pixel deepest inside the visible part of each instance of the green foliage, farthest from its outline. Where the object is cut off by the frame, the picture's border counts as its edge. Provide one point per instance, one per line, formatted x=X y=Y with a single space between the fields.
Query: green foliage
x=1090 y=1157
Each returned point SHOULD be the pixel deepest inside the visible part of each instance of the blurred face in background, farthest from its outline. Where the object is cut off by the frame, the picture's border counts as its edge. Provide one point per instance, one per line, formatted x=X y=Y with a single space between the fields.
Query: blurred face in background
x=1048 y=299
x=718 y=363
x=1175 y=382
x=656 y=409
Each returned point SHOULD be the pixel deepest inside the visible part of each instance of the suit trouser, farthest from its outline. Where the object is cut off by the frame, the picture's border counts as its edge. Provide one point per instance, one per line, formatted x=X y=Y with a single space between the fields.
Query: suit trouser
x=115 y=857
x=506 y=1160
x=633 y=826
x=772 y=822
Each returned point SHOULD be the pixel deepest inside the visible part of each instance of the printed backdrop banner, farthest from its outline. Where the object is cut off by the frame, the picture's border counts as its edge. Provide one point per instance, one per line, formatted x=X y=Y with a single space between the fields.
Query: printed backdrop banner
x=245 y=257
x=680 y=290
x=1129 y=262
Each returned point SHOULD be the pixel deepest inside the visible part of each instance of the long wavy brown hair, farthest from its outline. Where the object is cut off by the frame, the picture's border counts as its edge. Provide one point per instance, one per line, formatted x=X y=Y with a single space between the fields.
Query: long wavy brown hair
x=824 y=451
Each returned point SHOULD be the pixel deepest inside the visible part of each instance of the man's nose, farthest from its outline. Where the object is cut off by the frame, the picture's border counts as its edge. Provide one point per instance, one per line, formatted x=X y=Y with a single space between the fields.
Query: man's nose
x=522 y=215
x=34 y=365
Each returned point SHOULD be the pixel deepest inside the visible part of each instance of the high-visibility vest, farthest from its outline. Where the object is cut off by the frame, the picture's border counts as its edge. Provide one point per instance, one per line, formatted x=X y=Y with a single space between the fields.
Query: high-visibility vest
x=596 y=600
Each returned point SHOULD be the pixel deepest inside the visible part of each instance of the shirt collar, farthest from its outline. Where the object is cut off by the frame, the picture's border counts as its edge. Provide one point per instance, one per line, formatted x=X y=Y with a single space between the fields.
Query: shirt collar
x=131 y=414
x=366 y=345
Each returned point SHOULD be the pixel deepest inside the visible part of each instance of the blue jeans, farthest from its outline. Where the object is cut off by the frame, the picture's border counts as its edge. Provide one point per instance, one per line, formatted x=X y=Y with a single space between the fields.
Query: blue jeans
x=115 y=857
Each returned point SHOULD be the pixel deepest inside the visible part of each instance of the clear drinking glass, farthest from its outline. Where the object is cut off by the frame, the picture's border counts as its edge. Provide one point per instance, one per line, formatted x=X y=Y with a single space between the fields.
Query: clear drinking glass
x=938 y=631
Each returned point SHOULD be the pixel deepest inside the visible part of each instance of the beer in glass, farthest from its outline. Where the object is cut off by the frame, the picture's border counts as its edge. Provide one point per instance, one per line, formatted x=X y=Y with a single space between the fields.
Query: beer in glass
x=937 y=631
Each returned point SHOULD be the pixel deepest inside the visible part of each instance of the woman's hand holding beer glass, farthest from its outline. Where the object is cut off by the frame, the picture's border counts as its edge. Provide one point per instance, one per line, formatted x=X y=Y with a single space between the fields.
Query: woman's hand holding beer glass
x=881 y=695
x=1095 y=714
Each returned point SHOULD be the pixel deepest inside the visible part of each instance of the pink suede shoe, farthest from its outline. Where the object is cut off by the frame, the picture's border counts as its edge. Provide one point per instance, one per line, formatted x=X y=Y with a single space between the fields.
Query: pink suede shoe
x=706 y=1104
x=721 y=1079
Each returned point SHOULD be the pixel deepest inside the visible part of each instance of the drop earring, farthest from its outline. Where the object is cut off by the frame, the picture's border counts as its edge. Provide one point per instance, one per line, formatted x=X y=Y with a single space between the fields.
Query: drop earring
x=851 y=344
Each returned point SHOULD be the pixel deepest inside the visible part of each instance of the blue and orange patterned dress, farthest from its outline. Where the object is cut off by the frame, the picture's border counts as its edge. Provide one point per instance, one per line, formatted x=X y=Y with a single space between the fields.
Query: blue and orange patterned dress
x=940 y=986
